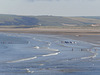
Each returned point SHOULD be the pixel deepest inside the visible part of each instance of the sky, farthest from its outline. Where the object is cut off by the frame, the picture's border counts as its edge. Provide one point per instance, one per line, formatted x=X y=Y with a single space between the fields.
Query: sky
x=51 y=7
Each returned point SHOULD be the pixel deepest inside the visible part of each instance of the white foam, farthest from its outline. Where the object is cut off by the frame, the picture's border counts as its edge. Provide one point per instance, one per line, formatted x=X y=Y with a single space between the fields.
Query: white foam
x=86 y=57
x=92 y=56
x=36 y=47
x=29 y=71
x=48 y=43
x=51 y=54
x=41 y=64
x=53 y=49
x=20 y=60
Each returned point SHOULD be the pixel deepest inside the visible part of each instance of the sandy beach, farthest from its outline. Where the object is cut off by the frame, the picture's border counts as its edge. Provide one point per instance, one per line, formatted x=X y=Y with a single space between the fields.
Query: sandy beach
x=56 y=31
x=86 y=34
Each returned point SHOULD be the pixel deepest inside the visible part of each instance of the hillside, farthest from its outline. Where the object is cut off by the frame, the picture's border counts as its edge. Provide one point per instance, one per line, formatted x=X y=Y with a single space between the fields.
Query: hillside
x=17 y=20
x=33 y=21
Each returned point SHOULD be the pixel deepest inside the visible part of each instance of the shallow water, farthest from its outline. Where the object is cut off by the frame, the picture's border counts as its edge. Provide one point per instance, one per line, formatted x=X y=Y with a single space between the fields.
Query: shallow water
x=28 y=54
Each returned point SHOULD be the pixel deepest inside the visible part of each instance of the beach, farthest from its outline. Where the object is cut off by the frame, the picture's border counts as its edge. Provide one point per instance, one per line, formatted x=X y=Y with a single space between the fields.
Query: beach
x=49 y=37
x=55 y=31
x=49 y=52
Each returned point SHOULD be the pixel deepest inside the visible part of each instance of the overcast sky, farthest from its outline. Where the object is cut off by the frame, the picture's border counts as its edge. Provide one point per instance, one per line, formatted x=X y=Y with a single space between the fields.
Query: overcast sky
x=51 y=7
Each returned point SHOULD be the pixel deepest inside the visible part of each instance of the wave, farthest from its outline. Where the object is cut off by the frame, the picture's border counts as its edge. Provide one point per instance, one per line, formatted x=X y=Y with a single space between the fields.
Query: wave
x=29 y=71
x=72 y=59
x=53 y=49
x=92 y=56
x=36 y=47
x=31 y=58
x=94 y=44
x=20 y=60
x=47 y=42
x=51 y=54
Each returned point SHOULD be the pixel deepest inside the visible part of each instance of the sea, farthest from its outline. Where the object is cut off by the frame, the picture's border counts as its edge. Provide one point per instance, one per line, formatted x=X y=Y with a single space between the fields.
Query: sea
x=40 y=54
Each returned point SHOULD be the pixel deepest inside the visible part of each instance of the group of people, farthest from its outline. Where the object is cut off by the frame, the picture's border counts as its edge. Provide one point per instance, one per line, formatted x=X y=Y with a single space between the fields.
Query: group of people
x=68 y=42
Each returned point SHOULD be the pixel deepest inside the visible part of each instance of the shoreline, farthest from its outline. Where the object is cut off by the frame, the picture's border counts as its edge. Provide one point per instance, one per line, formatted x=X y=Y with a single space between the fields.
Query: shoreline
x=64 y=64
x=53 y=31
x=88 y=35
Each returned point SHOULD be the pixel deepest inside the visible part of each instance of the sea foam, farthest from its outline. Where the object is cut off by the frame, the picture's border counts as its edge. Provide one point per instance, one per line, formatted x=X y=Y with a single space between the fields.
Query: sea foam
x=20 y=60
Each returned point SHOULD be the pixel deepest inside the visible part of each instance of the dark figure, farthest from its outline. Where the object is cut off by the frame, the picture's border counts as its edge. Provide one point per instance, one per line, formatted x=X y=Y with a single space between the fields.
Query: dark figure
x=70 y=42
x=81 y=49
x=72 y=49
x=66 y=42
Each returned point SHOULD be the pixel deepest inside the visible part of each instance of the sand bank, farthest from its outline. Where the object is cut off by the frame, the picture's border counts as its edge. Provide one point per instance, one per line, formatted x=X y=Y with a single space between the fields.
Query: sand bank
x=57 y=31
x=88 y=35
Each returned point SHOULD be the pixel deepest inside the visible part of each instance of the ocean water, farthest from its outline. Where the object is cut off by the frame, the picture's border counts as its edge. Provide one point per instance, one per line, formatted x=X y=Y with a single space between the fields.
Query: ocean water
x=36 y=54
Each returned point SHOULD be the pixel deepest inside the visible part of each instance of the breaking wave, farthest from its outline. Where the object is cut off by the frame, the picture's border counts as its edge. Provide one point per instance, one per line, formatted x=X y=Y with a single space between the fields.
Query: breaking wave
x=51 y=54
x=92 y=56
x=20 y=60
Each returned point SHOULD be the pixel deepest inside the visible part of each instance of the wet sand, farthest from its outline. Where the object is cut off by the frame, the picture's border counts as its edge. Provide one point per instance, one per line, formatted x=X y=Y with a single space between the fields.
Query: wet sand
x=88 y=35
x=54 y=31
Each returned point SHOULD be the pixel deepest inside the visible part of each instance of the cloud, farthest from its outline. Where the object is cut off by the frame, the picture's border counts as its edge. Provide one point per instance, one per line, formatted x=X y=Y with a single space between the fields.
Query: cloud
x=45 y=0
x=59 y=0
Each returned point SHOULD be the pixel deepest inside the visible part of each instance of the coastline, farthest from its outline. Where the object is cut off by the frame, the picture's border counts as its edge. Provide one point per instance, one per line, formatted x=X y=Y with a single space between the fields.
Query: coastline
x=53 y=31
x=87 y=35
x=64 y=52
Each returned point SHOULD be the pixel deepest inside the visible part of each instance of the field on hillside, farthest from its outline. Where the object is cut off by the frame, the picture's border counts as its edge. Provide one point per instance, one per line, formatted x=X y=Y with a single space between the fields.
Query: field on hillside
x=16 y=21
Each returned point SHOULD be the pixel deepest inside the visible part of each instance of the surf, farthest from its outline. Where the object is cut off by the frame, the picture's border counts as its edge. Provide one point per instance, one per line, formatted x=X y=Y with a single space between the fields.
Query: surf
x=20 y=60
